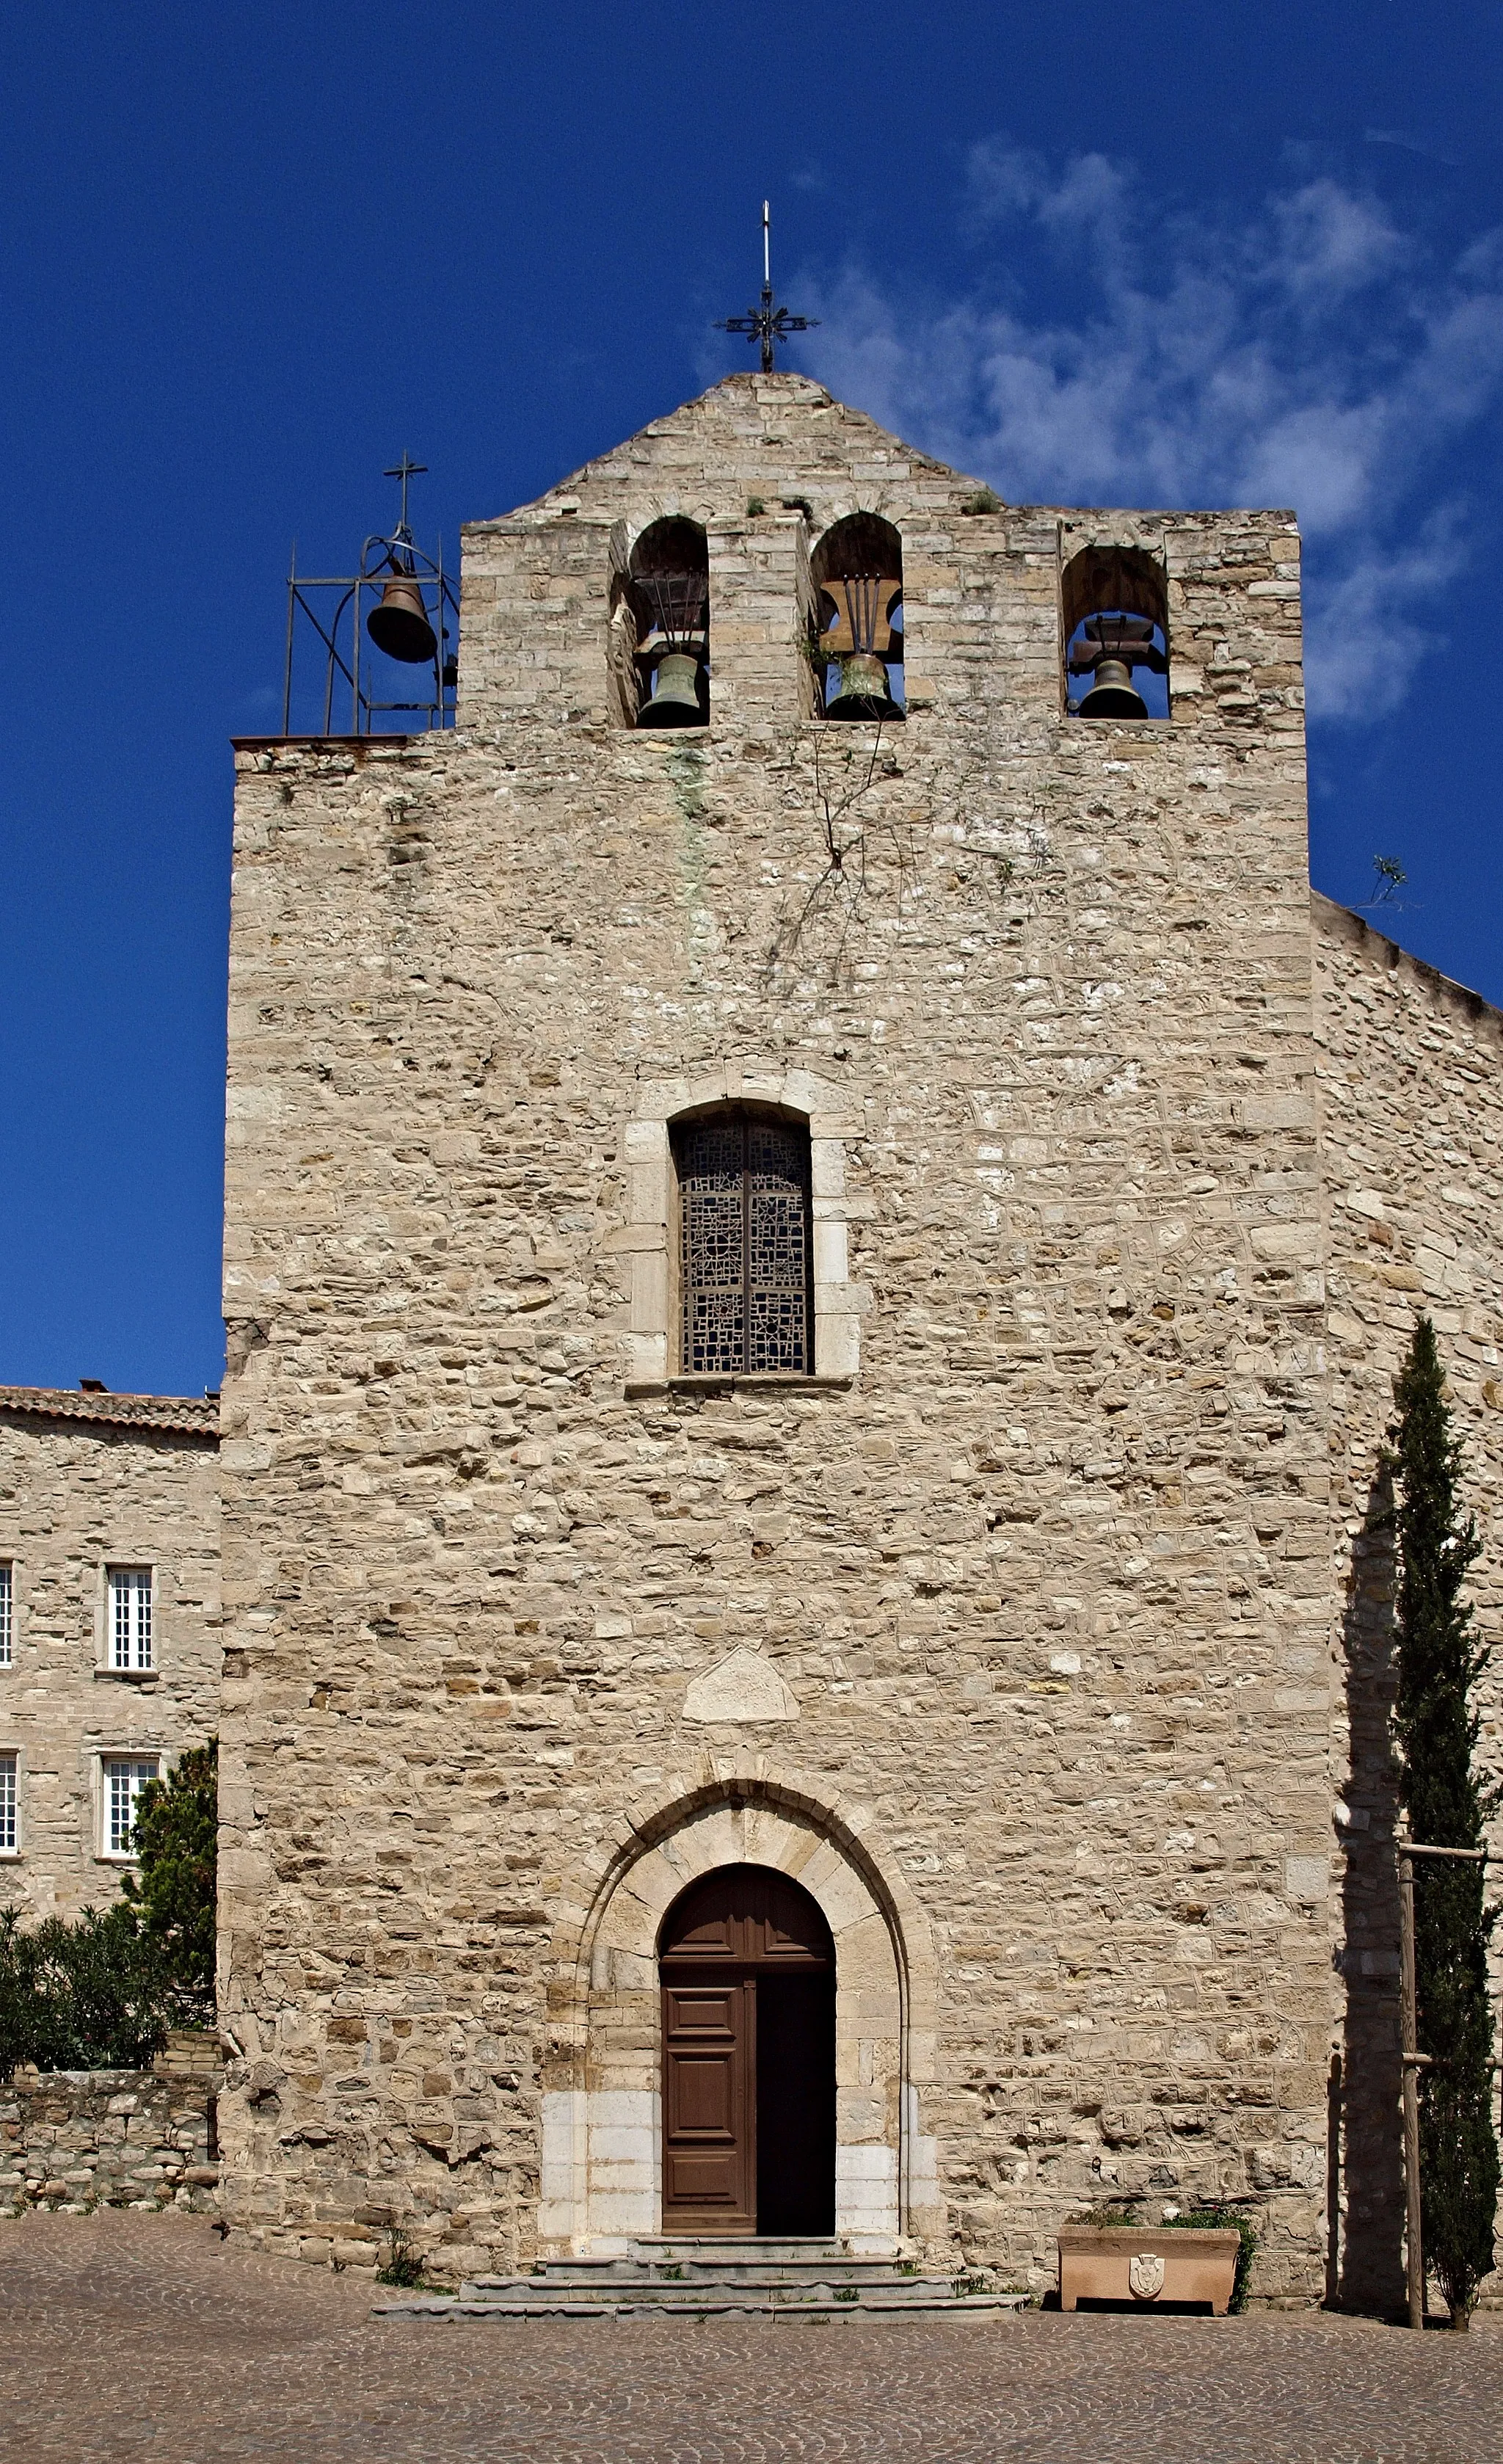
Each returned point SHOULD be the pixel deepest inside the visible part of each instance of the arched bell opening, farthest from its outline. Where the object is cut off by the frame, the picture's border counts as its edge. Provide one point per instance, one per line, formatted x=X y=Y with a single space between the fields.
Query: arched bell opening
x=661 y=619
x=856 y=647
x=747 y=1971
x=1114 y=617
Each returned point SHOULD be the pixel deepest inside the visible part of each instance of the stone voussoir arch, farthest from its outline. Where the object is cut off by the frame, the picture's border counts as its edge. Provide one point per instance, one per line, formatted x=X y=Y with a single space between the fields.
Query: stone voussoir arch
x=602 y=2120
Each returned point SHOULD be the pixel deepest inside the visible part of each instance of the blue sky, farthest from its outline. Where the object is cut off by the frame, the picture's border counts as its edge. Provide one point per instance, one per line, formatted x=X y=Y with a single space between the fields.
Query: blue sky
x=1167 y=256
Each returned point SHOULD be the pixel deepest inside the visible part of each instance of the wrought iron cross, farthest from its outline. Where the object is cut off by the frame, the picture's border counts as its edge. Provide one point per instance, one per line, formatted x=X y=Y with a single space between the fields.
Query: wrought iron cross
x=767 y=322
x=406 y=469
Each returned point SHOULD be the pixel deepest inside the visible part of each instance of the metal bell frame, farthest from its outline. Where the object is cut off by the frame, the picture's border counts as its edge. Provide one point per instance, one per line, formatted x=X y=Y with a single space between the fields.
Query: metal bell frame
x=860 y=644
x=386 y=558
x=677 y=649
x=1113 y=643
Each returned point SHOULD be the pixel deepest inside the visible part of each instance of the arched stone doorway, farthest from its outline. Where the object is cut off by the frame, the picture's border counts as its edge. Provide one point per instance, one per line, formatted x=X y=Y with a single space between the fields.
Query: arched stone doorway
x=747 y=1966
x=602 y=2172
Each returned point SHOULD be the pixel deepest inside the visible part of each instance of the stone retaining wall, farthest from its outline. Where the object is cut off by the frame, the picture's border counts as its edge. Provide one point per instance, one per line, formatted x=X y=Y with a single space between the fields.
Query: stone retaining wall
x=71 y=2141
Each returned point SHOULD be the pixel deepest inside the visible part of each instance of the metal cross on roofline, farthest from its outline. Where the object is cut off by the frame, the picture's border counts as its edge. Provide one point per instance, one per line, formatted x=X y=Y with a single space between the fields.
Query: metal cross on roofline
x=767 y=322
x=406 y=469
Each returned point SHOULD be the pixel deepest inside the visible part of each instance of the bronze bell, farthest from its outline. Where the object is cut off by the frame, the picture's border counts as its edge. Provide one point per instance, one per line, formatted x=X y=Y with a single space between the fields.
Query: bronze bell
x=860 y=642
x=864 y=692
x=676 y=700
x=399 y=623
x=1112 y=643
x=1113 y=695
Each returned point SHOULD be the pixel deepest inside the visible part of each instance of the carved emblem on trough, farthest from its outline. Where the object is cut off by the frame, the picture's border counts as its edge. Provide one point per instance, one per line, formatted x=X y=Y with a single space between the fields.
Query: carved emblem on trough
x=1145 y=2275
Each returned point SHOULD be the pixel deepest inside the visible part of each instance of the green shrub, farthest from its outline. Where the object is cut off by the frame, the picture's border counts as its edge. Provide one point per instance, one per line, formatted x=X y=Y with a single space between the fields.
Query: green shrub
x=1440 y=1665
x=81 y=1997
x=175 y=1837
x=100 y=1994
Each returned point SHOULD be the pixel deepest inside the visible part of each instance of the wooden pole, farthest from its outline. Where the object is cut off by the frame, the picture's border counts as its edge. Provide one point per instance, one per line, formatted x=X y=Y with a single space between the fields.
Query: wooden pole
x=1408 y=2029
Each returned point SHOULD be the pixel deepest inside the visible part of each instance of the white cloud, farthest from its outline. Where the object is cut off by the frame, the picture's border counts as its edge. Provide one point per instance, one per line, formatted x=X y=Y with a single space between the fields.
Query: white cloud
x=1308 y=355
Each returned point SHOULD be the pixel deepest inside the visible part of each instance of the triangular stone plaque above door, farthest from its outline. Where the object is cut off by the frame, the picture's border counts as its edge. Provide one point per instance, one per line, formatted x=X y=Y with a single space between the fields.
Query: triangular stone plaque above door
x=746 y=1686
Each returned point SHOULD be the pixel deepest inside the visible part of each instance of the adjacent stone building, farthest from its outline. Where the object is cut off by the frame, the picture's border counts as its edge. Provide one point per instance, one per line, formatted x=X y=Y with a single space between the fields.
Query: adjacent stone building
x=109 y=1626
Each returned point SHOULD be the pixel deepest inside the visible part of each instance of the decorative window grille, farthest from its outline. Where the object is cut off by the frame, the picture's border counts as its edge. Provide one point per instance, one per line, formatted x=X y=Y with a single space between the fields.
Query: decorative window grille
x=124 y=1782
x=745 y=1247
x=9 y=1839
x=6 y=1616
x=130 y=1616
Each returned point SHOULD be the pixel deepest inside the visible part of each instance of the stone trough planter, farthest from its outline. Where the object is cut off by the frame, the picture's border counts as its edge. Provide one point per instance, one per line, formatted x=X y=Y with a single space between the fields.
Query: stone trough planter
x=1134 y=2263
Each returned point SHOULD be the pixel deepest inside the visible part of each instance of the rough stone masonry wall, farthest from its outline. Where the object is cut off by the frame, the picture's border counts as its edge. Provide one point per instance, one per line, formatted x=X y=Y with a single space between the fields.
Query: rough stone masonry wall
x=74 y=1498
x=1411 y=1081
x=1047 y=1582
x=73 y=2140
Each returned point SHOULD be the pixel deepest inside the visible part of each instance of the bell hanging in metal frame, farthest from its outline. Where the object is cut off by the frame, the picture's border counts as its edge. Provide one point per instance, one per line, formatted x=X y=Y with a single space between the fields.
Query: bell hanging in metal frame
x=675 y=702
x=860 y=642
x=399 y=623
x=674 y=655
x=1113 y=695
x=1111 y=646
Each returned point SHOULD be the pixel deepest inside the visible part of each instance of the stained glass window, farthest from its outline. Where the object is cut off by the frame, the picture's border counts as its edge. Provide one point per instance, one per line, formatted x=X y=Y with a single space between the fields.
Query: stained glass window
x=746 y=1252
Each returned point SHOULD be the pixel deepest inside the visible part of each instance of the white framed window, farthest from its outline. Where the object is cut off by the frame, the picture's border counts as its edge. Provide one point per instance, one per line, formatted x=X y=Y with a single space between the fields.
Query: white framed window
x=124 y=1777
x=128 y=1612
x=6 y=1612
x=9 y=1806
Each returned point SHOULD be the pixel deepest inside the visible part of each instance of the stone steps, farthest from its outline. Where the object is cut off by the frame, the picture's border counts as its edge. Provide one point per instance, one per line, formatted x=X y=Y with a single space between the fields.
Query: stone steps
x=699 y=2280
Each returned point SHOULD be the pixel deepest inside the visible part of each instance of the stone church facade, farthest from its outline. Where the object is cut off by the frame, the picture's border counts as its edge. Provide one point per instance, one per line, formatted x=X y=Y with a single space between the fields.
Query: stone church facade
x=988 y=1559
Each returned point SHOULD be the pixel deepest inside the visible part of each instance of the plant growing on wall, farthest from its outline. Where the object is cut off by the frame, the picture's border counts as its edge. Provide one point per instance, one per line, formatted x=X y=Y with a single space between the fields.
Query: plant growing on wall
x=1439 y=1663
x=173 y=1889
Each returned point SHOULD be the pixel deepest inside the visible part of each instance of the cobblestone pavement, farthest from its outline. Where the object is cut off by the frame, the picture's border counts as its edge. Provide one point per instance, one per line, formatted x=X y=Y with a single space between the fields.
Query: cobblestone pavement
x=126 y=2337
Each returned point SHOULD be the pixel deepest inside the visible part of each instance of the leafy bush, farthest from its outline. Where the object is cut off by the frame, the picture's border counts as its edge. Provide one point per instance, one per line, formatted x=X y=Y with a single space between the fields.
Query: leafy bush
x=174 y=1837
x=101 y=1993
x=81 y=1997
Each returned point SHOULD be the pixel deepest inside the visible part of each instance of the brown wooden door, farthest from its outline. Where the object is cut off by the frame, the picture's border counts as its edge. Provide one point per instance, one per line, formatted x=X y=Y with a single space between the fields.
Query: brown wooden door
x=749 y=2125
x=709 y=2106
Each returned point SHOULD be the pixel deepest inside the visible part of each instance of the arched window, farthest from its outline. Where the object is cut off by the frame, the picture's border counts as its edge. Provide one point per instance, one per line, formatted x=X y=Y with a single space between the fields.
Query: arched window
x=745 y=1247
x=857 y=645
x=660 y=626
x=1115 y=611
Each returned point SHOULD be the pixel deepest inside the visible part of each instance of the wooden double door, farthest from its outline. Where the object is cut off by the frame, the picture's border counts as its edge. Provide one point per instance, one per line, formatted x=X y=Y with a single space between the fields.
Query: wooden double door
x=748 y=1974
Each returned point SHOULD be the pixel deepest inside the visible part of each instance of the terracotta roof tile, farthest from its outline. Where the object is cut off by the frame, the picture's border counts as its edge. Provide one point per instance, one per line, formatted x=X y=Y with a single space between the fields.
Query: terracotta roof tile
x=193 y=1415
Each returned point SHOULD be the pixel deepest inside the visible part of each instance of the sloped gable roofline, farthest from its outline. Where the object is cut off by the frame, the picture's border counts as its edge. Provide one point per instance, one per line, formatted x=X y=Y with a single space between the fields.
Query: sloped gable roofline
x=621 y=460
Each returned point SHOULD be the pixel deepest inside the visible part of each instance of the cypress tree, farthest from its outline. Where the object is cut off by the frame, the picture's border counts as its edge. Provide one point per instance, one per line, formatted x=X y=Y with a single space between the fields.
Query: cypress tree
x=1438 y=1662
x=175 y=1835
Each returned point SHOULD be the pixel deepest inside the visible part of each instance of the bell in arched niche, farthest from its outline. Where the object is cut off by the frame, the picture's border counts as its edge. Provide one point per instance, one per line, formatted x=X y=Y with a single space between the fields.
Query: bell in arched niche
x=1115 y=607
x=670 y=595
x=858 y=639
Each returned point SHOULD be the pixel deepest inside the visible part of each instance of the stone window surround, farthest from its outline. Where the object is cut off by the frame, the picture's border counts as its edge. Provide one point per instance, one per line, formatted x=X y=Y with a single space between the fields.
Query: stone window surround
x=650 y=1236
